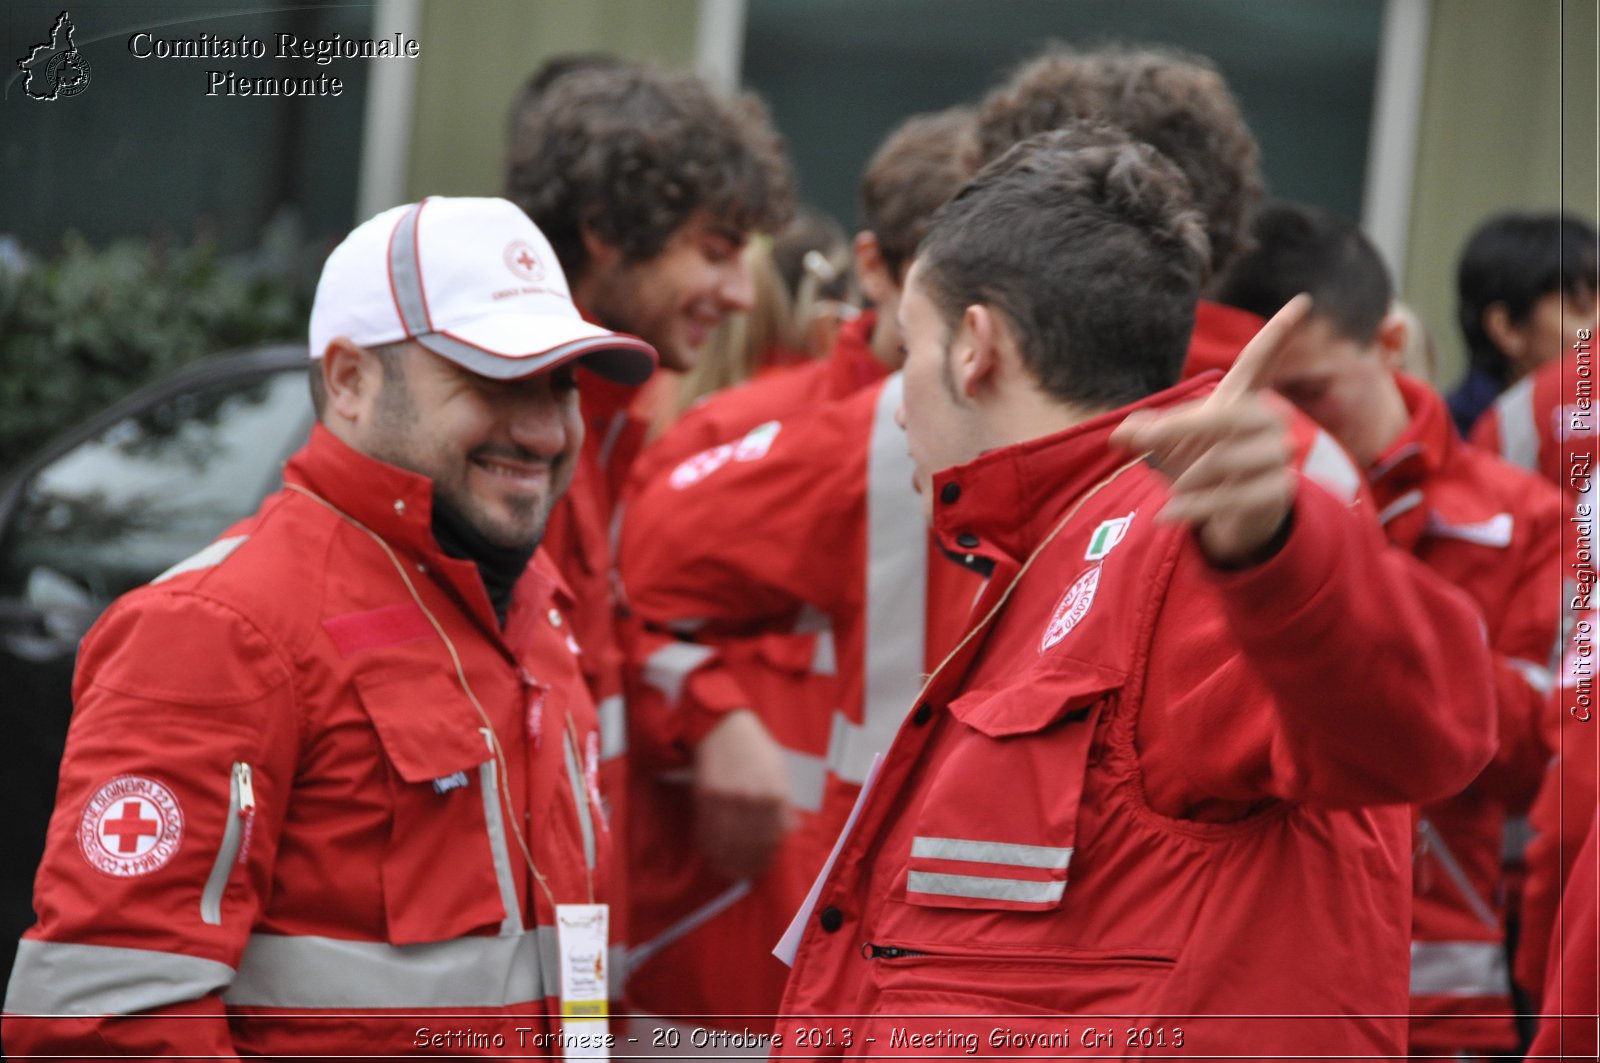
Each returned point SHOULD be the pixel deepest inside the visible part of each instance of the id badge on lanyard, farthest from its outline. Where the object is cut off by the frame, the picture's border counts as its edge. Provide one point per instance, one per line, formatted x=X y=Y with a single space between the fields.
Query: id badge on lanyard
x=583 y=936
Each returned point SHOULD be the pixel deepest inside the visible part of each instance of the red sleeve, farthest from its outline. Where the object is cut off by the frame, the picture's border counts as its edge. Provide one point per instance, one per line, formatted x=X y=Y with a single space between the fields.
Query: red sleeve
x=1340 y=672
x=155 y=866
x=1525 y=636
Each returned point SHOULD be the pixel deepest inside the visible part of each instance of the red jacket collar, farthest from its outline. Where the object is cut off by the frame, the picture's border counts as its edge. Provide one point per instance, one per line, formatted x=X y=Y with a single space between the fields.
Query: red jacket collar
x=1426 y=445
x=397 y=505
x=1007 y=500
x=851 y=363
x=1220 y=333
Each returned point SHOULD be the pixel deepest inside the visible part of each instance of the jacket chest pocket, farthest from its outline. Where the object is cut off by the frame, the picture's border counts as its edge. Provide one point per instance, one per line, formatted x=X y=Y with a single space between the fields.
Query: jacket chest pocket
x=445 y=811
x=999 y=822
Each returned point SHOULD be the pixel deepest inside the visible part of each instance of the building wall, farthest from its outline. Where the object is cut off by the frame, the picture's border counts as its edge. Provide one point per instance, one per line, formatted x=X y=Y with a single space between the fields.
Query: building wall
x=1508 y=123
x=476 y=56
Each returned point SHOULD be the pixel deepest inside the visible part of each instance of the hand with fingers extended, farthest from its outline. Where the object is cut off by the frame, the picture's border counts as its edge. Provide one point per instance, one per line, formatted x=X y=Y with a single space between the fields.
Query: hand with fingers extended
x=1227 y=457
x=741 y=795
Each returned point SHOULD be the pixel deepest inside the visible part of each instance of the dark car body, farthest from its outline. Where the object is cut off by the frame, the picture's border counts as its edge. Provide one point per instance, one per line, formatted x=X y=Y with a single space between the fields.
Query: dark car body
x=107 y=506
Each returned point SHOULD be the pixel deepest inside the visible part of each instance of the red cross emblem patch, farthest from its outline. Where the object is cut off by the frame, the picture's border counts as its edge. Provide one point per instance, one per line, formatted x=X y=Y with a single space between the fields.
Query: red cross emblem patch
x=131 y=826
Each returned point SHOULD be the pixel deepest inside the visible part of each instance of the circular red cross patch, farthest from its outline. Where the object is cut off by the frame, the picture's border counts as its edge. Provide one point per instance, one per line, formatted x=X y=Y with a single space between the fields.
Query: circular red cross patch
x=522 y=260
x=131 y=826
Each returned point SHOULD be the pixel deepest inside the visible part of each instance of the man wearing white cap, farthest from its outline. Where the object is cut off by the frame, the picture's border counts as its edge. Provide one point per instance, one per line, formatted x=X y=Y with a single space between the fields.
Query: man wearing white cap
x=330 y=786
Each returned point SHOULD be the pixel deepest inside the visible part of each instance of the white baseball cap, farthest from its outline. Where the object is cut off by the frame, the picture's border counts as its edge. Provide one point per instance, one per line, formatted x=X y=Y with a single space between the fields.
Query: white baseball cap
x=472 y=280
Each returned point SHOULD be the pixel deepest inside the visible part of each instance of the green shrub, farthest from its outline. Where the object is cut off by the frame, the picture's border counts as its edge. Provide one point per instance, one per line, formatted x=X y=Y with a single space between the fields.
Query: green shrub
x=86 y=326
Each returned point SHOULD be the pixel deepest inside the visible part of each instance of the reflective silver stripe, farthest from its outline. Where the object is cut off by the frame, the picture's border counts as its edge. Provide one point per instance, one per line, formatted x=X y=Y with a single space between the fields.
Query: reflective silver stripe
x=404 y=280
x=493 y=817
x=1519 y=431
x=668 y=668
x=55 y=978
x=613 y=713
x=616 y=970
x=1405 y=503
x=642 y=954
x=825 y=655
x=211 y=556
x=1459 y=969
x=807 y=778
x=217 y=883
x=1496 y=531
x=986 y=889
x=1537 y=676
x=1044 y=856
x=1328 y=465
x=897 y=597
x=580 y=797
x=324 y=973
x=1434 y=842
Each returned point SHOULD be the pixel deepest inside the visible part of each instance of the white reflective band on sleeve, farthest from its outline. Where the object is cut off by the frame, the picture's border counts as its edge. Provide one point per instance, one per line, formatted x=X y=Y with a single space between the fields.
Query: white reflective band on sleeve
x=897 y=597
x=808 y=776
x=1519 y=434
x=323 y=973
x=55 y=978
x=1043 y=856
x=1537 y=676
x=825 y=657
x=642 y=954
x=489 y=783
x=1329 y=466
x=1496 y=531
x=987 y=889
x=1459 y=969
x=613 y=713
x=668 y=668
x=211 y=556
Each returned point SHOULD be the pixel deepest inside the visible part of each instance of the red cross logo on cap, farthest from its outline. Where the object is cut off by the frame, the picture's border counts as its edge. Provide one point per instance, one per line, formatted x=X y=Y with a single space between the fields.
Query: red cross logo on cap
x=522 y=260
x=131 y=826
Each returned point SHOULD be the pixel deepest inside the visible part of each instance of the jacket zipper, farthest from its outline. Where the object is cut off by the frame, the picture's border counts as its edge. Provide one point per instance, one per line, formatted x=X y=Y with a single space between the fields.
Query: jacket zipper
x=887 y=952
x=235 y=837
x=894 y=952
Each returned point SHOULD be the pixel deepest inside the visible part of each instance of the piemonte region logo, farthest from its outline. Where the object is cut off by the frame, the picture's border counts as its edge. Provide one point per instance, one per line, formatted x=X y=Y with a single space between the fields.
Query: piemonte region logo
x=55 y=69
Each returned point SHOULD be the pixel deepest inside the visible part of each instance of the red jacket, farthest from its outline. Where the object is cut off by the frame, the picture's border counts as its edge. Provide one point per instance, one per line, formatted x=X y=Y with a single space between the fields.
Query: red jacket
x=1494 y=531
x=1571 y=1011
x=1544 y=421
x=277 y=801
x=1220 y=333
x=1563 y=811
x=1142 y=787
x=879 y=609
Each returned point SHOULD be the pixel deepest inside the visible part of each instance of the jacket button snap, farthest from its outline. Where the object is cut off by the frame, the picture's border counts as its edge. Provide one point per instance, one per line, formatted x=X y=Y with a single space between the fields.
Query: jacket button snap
x=831 y=918
x=967 y=541
x=923 y=714
x=949 y=493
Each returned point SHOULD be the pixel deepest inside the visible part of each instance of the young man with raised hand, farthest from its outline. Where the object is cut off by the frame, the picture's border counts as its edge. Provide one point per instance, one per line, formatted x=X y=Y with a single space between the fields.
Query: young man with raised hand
x=1149 y=781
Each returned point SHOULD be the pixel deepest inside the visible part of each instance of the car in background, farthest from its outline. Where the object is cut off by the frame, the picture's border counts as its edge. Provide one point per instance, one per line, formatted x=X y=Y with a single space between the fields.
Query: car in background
x=109 y=505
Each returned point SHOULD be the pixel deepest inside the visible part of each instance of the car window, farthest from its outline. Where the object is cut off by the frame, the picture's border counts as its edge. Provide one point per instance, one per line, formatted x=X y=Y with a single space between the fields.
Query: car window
x=151 y=489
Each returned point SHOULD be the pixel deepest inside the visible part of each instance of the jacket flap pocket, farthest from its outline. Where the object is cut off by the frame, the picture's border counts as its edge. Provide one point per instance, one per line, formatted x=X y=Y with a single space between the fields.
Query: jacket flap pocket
x=1038 y=699
x=426 y=725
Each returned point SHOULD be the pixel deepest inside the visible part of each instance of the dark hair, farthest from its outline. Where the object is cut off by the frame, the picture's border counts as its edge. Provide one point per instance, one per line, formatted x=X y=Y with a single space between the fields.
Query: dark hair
x=631 y=152
x=1087 y=244
x=1173 y=100
x=1301 y=248
x=1518 y=259
x=548 y=73
x=919 y=166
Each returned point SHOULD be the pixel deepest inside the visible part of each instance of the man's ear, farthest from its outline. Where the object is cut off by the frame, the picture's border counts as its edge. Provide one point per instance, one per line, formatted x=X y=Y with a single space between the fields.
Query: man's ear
x=596 y=248
x=1502 y=332
x=976 y=350
x=350 y=378
x=877 y=284
x=1394 y=332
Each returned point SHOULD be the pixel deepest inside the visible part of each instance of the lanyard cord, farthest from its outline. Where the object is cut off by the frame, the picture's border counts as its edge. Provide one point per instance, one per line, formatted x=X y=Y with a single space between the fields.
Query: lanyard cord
x=503 y=773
